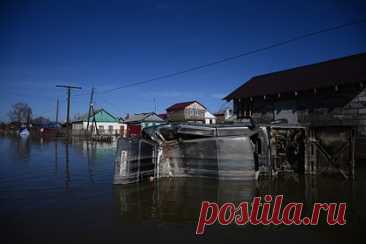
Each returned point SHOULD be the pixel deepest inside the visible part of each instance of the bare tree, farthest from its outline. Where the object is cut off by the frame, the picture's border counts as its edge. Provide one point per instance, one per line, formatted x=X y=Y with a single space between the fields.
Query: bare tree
x=20 y=112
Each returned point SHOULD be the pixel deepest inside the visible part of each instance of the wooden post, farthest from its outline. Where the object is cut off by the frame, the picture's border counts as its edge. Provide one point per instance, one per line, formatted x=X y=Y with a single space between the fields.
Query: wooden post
x=94 y=121
x=90 y=108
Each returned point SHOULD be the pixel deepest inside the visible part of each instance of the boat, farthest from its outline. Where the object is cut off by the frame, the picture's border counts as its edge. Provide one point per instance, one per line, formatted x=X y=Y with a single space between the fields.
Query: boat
x=24 y=132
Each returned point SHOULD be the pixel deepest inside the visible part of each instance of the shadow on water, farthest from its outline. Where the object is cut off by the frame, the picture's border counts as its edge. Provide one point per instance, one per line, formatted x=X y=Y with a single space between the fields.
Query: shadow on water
x=60 y=191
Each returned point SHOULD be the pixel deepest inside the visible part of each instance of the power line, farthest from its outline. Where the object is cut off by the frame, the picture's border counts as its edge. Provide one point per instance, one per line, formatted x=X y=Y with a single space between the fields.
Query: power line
x=282 y=43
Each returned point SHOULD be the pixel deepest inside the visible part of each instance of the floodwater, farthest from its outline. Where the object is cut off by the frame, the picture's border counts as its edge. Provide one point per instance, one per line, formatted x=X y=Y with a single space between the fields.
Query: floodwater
x=61 y=191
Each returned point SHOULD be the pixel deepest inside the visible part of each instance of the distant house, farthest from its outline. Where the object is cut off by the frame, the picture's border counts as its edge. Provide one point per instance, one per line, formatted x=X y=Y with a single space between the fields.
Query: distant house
x=225 y=115
x=106 y=124
x=135 y=123
x=192 y=111
x=210 y=119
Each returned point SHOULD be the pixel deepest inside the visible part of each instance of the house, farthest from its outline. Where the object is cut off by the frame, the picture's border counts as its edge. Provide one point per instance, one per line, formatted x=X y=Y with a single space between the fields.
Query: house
x=330 y=92
x=225 y=115
x=135 y=123
x=210 y=119
x=163 y=116
x=192 y=111
x=106 y=124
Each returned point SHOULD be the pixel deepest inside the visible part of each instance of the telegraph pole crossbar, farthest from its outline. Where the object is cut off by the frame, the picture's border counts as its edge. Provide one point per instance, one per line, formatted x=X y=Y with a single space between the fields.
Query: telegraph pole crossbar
x=68 y=99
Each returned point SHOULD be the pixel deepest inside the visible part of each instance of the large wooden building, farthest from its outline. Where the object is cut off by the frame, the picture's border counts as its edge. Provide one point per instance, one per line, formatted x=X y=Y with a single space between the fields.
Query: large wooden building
x=331 y=92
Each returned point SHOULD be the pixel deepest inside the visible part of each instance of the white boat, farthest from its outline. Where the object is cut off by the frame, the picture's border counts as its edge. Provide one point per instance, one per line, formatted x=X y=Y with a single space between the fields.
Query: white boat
x=24 y=132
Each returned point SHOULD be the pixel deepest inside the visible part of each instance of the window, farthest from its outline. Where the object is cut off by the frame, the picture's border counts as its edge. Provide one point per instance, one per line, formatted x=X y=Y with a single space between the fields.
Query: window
x=110 y=128
x=101 y=127
x=194 y=112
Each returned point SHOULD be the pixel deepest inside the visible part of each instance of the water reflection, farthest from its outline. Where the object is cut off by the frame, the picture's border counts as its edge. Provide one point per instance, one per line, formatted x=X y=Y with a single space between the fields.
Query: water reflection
x=67 y=167
x=65 y=156
x=178 y=200
x=23 y=148
x=56 y=157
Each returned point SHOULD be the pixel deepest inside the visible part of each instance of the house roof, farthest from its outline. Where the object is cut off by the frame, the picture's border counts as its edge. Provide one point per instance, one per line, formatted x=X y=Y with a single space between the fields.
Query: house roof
x=101 y=115
x=339 y=71
x=143 y=117
x=163 y=116
x=209 y=115
x=183 y=105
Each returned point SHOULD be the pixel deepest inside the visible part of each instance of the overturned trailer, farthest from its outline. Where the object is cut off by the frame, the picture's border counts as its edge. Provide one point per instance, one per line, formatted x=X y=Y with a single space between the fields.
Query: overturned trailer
x=239 y=151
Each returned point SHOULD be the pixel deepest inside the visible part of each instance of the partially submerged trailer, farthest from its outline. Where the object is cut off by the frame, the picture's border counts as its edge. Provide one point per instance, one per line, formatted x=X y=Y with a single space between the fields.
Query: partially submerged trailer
x=239 y=151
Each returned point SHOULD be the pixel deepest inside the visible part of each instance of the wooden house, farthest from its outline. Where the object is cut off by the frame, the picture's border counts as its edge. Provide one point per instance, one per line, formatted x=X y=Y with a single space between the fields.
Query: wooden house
x=330 y=92
x=192 y=111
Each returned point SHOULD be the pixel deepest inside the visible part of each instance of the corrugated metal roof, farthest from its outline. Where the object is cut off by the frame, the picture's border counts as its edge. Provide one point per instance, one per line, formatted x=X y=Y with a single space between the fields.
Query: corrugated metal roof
x=339 y=71
x=101 y=115
x=143 y=117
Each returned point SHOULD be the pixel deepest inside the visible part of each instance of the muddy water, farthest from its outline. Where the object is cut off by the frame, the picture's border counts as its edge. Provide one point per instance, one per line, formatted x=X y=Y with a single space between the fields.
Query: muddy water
x=61 y=192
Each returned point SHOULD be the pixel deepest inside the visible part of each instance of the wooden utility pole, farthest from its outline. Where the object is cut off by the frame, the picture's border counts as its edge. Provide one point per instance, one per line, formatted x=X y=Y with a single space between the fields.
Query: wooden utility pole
x=68 y=99
x=94 y=121
x=155 y=105
x=90 y=108
x=57 y=104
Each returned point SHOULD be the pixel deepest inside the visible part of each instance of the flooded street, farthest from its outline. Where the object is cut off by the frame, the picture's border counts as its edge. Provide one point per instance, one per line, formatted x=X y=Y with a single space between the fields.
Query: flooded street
x=61 y=192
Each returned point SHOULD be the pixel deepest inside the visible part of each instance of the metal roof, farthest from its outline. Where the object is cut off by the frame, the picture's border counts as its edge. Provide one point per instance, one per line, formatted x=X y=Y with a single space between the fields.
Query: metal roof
x=143 y=117
x=101 y=115
x=350 y=69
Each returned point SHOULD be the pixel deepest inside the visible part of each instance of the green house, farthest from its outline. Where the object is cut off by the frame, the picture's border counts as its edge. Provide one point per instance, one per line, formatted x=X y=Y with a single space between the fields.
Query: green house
x=105 y=122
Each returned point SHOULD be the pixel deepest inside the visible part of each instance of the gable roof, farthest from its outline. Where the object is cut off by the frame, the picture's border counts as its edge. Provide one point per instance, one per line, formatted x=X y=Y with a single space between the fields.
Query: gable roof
x=143 y=117
x=209 y=115
x=101 y=115
x=339 y=71
x=183 y=105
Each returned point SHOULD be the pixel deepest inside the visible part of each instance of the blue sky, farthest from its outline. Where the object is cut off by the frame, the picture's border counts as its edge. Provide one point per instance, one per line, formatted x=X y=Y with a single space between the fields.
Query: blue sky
x=107 y=44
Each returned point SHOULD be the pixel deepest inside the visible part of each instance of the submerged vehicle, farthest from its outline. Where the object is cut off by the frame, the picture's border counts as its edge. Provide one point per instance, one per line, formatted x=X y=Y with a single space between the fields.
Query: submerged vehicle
x=190 y=150
x=237 y=151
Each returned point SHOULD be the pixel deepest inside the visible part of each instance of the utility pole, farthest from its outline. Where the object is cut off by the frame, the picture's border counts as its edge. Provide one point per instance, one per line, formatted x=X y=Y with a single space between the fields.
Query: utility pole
x=68 y=99
x=57 y=104
x=155 y=105
x=94 y=121
x=90 y=108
